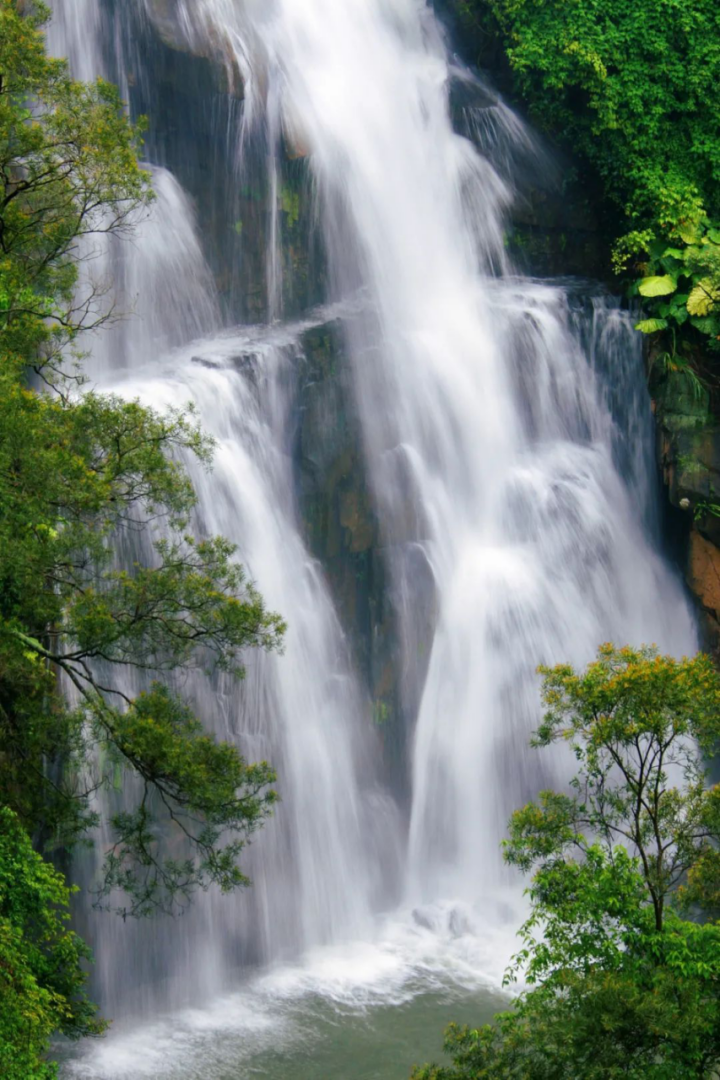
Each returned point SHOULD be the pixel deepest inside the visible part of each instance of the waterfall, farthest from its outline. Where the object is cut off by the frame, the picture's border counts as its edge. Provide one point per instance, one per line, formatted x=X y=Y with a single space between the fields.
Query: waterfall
x=315 y=876
x=75 y=34
x=513 y=536
x=507 y=440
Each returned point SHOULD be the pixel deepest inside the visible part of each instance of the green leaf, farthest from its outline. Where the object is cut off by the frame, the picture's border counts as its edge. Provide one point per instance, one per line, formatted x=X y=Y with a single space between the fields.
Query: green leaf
x=651 y=326
x=708 y=324
x=703 y=298
x=656 y=248
x=672 y=267
x=690 y=233
x=657 y=286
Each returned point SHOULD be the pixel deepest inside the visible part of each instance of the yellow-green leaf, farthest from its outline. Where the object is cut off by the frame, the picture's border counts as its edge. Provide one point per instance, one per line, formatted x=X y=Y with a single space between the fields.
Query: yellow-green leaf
x=703 y=298
x=651 y=326
x=657 y=286
x=690 y=233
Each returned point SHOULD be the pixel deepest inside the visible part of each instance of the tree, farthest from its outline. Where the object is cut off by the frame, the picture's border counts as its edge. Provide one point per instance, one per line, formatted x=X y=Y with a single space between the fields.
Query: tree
x=68 y=173
x=41 y=979
x=620 y=983
x=75 y=477
x=85 y=479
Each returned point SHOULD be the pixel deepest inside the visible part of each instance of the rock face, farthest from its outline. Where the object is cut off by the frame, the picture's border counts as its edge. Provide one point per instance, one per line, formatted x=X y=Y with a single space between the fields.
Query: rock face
x=704 y=575
x=181 y=27
x=552 y=230
x=689 y=441
x=551 y=237
x=342 y=529
x=688 y=436
x=183 y=80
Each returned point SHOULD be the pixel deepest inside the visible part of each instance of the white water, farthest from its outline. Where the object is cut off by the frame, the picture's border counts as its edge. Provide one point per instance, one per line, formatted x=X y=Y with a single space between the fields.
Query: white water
x=488 y=440
x=516 y=508
x=316 y=877
x=315 y=872
x=75 y=33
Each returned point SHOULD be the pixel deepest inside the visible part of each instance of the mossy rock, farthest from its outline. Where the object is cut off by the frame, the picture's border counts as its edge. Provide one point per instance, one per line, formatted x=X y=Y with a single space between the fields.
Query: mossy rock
x=682 y=403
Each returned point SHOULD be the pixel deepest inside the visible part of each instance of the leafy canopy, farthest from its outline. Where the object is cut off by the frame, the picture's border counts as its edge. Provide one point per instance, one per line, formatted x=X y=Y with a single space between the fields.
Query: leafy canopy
x=620 y=983
x=107 y=591
x=68 y=175
x=41 y=978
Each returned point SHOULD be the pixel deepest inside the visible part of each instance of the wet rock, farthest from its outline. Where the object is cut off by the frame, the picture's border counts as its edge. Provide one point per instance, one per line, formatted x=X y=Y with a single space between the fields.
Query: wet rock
x=704 y=572
x=688 y=438
x=203 y=361
x=422 y=918
x=459 y=924
x=342 y=530
x=180 y=29
x=703 y=575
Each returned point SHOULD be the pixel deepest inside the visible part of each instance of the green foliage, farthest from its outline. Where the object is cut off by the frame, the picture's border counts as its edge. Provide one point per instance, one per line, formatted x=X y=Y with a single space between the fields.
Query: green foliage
x=381 y=712
x=620 y=984
x=207 y=790
x=638 y=724
x=630 y=87
x=656 y=1017
x=68 y=173
x=651 y=326
x=679 y=362
x=85 y=479
x=290 y=205
x=704 y=507
x=76 y=475
x=657 y=286
x=41 y=977
x=688 y=290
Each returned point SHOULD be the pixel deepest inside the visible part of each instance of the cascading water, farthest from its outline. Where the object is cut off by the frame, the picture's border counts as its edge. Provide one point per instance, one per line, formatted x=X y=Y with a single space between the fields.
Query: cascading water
x=488 y=440
x=508 y=444
x=314 y=878
x=75 y=33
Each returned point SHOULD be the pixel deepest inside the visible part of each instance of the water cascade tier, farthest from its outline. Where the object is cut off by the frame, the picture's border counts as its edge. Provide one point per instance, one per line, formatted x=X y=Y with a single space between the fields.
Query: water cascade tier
x=324 y=274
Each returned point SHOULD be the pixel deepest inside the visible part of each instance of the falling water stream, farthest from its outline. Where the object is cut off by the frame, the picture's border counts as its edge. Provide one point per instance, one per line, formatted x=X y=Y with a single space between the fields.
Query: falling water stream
x=507 y=442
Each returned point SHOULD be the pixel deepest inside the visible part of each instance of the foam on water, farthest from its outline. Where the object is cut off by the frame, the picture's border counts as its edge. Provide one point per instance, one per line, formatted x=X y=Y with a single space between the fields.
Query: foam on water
x=444 y=950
